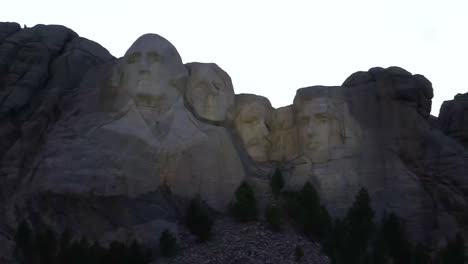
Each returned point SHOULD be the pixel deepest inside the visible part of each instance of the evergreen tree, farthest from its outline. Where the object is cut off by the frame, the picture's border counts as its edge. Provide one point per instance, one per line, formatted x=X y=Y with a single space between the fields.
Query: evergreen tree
x=24 y=243
x=244 y=207
x=277 y=183
x=420 y=255
x=47 y=245
x=298 y=253
x=43 y=248
x=394 y=234
x=199 y=220
x=273 y=217
x=136 y=254
x=64 y=253
x=305 y=209
x=335 y=245
x=359 y=228
x=454 y=252
x=167 y=243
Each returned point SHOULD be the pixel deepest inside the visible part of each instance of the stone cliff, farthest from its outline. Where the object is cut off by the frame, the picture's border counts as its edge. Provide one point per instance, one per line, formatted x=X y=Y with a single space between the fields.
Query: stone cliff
x=112 y=147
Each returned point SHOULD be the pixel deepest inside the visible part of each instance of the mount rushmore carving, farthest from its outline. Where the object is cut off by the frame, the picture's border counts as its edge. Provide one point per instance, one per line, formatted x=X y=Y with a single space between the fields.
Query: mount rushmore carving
x=90 y=140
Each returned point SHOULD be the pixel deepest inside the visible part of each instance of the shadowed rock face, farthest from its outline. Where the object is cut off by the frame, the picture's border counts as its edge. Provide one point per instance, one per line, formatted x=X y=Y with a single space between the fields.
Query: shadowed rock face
x=453 y=118
x=39 y=68
x=408 y=166
x=82 y=132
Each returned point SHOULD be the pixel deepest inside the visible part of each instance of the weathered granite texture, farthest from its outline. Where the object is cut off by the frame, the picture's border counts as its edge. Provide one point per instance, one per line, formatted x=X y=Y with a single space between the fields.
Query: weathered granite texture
x=119 y=145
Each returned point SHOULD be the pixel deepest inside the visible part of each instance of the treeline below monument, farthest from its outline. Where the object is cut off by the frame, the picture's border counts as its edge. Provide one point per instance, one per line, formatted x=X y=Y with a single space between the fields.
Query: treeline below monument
x=355 y=239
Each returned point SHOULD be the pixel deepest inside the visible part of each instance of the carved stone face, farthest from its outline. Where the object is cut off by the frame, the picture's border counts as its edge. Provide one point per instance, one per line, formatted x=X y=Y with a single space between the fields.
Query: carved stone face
x=252 y=119
x=318 y=128
x=152 y=71
x=209 y=91
x=283 y=135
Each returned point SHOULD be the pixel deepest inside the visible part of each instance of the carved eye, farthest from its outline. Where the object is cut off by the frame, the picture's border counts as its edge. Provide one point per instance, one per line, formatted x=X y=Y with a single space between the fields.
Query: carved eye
x=250 y=119
x=217 y=85
x=134 y=57
x=304 y=120
x=202 y=84
x=154 y=57
x=322 y=117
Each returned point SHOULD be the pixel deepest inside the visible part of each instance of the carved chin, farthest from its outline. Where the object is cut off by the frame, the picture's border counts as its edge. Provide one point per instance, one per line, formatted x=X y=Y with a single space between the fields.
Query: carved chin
x=258 y=152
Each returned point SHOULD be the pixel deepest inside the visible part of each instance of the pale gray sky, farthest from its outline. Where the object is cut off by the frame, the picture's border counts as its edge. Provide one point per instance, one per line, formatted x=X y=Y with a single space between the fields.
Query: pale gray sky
x=272 y=48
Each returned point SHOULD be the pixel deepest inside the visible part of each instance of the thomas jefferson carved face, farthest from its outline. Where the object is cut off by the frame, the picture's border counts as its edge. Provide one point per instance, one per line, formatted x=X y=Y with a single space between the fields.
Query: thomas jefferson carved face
x=209 y=91
x=152 y=72
x=252 y=121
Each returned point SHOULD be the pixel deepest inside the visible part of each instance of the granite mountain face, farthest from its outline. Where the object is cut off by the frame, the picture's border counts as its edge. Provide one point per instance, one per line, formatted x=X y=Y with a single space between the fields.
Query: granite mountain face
x=112 y=147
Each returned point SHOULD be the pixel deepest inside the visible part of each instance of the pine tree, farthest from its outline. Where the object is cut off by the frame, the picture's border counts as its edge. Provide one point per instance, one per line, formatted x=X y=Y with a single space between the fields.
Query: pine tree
x=360 y=226
x=420 y=255
x=244 y=207
x=167 y=243
x=198 y=220
x=305 y=209
x=277 y=183
x=24 y=243
x=298 y=253
x=394 y=233
x=47 y=246
x=273 y=217
x=454 y=252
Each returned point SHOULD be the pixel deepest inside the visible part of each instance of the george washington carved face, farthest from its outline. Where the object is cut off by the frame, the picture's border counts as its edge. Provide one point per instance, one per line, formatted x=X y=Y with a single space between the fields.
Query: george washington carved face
x=152 y=73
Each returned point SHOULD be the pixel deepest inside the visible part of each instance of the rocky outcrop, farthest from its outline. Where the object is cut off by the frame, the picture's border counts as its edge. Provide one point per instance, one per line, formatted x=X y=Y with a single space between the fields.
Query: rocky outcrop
x=38 y=67
x=453 y=116
x=408 y=165
x=120 y=145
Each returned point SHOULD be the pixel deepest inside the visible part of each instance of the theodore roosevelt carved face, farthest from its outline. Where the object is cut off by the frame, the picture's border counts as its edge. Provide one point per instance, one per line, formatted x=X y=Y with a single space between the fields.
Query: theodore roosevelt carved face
x=252 y=123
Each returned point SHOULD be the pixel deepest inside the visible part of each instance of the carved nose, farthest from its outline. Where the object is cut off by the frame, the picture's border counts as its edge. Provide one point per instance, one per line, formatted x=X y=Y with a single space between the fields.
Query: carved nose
x=143 y=67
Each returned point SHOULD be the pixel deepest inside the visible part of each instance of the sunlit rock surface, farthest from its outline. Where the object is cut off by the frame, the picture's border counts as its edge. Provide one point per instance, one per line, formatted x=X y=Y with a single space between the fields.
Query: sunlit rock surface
x=120 y=145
